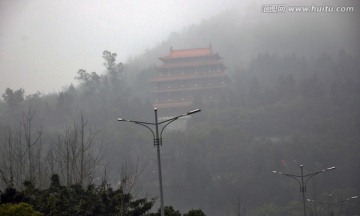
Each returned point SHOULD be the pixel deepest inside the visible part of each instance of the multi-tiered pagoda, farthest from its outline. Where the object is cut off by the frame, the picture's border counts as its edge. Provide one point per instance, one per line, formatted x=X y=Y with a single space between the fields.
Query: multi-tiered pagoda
x=187 y=75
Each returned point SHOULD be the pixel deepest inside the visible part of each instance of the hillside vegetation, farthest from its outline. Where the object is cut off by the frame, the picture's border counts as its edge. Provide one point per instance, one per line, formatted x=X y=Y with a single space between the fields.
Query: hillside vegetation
x=295 y=99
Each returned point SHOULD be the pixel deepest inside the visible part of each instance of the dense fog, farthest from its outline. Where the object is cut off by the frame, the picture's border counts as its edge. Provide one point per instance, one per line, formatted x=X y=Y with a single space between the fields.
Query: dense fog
x=293 y=99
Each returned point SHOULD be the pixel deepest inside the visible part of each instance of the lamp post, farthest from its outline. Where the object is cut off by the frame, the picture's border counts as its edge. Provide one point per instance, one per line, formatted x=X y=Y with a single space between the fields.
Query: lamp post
x=332 y=204
x=303 y=180
x=158 y=141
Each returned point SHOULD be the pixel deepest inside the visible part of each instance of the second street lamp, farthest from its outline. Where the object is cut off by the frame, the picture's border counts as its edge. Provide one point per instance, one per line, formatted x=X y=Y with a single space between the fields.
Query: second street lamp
x=332 y=204
x=158 y=141
x=303 y=180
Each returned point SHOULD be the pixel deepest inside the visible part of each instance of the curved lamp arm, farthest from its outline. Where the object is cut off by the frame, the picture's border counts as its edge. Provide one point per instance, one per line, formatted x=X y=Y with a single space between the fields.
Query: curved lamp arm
x=168 y=121
x=315 y=173
x=147 y=128
x=165 y=126
x=289 y=175
x=139 y=123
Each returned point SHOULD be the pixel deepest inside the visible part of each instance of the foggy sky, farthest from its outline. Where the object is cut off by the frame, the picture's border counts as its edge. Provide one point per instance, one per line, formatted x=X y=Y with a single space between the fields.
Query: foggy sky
x=44 y=43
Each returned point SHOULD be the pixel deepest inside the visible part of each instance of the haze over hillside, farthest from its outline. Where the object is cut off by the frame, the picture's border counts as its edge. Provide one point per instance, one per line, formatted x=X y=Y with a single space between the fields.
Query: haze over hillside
x=240 y=35
x=43 y=44
x=293 y=99
x=41 y=57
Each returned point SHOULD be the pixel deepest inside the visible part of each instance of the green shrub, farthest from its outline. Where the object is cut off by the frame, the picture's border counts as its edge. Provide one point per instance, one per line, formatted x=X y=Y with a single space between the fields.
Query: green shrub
x=21 y=209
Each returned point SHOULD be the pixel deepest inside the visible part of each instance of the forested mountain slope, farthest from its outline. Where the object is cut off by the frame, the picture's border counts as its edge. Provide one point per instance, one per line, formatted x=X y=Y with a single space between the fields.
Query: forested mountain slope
x=295 y=99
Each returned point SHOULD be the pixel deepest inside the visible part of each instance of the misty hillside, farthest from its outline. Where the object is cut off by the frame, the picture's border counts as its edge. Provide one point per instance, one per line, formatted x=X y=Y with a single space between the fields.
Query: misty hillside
x=294 y=99
x=240 y=36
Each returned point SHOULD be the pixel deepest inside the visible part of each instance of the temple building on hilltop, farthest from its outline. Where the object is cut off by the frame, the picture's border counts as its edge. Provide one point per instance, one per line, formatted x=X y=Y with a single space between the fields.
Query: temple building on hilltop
x=185 y=76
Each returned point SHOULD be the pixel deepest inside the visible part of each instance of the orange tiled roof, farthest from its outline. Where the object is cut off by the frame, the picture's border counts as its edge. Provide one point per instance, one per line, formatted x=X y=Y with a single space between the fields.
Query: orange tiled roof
x=189 y=53
x=188 y=76
x=189 y=89
x=191 y=64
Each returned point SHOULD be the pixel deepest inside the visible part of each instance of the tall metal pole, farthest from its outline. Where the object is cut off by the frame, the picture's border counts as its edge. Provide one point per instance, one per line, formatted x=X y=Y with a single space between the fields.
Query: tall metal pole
x=303 y=188
x=158 y=142
x=331 y=204
x=301 y=182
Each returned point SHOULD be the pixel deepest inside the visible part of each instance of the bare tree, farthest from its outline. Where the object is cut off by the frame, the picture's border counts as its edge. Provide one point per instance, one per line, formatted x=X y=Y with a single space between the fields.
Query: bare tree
x=75 y=157
x=88 y=161
x=33 y=146
x=7 y=152
x=239 y=207
x=21 y=153
x=129 y=177
x=65 y=154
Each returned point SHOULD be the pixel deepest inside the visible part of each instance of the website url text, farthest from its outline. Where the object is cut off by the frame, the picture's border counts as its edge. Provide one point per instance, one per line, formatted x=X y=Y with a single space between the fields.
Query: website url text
x=282 y=8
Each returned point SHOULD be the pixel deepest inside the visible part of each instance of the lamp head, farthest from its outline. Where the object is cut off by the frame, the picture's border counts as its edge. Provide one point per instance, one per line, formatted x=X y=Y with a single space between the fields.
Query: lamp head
x=193 y=111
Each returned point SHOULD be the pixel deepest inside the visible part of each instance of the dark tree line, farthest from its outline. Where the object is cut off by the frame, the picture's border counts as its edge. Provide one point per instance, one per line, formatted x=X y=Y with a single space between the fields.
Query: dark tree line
x=282 y=111
x=77 y=200
x=54 y=136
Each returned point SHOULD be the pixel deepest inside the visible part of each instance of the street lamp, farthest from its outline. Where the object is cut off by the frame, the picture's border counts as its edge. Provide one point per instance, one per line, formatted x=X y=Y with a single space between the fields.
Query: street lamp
x=158 y=141
x=301 y=182
x=332 y=204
